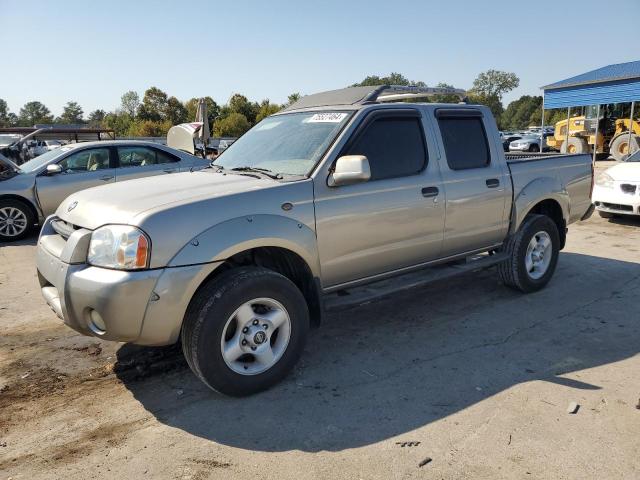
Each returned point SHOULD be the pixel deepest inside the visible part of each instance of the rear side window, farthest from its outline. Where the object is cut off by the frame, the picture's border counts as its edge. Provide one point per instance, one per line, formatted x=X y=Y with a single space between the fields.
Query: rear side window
x=465 y=142
x=142 y=156
x=394 y=147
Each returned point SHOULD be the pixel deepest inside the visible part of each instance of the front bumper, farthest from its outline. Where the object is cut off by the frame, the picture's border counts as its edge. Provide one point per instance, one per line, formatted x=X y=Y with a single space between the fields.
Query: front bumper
x=613 y=200
x=145 y=307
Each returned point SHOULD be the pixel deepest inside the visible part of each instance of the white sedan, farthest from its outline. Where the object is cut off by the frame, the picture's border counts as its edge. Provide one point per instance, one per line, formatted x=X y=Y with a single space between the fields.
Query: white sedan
x=617 y=190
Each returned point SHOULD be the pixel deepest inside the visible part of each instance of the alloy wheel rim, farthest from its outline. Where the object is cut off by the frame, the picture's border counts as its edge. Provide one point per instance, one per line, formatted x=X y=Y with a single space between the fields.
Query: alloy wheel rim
x=13 y=221
x=255 y=336
x=538 y=256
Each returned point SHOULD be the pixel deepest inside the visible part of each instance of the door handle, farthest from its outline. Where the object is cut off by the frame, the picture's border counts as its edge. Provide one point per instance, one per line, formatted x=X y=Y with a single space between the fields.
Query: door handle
x=492 y=182
x=169 y=170
x=106 y=178
x=430 y=192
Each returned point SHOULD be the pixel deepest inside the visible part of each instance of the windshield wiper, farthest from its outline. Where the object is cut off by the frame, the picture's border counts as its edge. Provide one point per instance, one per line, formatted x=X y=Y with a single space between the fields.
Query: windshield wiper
x=264 y=171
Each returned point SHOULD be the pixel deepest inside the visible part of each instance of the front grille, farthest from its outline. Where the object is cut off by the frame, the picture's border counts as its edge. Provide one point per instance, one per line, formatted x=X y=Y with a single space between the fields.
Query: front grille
x=617 y=206
x=628 y=188
x=62 y=228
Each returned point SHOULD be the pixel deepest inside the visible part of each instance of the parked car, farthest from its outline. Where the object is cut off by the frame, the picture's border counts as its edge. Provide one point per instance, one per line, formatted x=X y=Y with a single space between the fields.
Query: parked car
x=39 y=185
x=526 y=143
x=334 y=192
x=617 y=189
x=507 y=139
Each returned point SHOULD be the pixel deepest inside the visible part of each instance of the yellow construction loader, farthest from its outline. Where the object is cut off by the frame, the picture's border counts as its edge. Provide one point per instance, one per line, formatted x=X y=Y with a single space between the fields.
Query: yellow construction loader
x=613 y=135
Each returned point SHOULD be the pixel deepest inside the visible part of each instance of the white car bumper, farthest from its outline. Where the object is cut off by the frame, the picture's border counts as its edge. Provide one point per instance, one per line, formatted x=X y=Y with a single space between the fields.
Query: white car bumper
x=621 y=199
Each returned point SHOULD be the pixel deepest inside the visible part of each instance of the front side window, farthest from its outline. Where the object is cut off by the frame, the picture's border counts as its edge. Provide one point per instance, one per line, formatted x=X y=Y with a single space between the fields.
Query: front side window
x=393 y=145
x=86 y=161
x=287 y=144
x=465 y=142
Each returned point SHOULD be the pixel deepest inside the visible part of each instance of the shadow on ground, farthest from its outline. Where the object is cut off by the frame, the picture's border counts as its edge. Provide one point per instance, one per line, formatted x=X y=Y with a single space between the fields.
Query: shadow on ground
x=393 y=366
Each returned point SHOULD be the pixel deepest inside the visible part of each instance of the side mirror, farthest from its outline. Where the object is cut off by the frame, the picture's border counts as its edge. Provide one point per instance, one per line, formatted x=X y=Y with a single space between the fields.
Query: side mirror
x=53 y=169
x=350 y=169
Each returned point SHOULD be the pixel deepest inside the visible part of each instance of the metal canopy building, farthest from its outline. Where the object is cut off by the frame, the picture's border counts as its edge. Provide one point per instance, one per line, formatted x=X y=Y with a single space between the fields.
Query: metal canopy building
x=613 y=84
x=618 y=83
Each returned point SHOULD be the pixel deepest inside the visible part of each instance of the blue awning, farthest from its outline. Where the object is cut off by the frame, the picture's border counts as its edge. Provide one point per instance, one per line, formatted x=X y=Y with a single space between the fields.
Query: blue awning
x=611 y=84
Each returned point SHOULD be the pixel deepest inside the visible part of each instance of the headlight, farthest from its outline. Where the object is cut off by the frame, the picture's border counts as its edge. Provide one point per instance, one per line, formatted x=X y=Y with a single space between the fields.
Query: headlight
x=604 y=180
x=119 y=246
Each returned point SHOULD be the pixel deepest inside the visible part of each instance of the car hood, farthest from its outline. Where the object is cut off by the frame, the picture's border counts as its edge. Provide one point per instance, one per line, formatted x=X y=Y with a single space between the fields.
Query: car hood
x=174 y=209
x=625 y=172
x=130 y=201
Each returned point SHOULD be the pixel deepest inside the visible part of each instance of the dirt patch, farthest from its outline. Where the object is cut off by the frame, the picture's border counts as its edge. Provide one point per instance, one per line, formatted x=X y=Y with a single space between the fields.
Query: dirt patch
x=106 y=436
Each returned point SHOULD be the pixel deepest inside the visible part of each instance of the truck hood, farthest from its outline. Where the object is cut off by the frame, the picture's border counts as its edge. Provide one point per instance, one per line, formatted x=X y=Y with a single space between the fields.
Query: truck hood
x=130 y=201
x=174 y=209
x=625 y=172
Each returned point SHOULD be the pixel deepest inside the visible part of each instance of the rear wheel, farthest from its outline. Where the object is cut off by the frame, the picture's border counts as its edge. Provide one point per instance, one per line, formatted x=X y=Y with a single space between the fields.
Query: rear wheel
x=16 y=220
x=619 y=147
x=533 y=255
x=245 y=330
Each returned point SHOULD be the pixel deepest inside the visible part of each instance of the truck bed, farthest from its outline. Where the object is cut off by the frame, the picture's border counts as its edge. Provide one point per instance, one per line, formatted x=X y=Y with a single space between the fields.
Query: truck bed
x=572 y=171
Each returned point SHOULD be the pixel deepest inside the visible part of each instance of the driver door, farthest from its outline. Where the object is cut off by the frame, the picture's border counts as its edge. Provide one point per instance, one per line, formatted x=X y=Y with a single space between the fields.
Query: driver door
x=81 y=169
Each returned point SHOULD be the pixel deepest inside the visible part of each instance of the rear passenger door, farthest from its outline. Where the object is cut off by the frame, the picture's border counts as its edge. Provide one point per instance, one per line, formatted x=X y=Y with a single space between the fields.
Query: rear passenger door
x=392 y=221
x=143 y=161
x=475 y=180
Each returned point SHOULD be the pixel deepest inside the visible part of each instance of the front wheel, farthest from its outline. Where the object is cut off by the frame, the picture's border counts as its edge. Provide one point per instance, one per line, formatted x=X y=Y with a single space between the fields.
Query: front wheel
x=533 y=255
x=16 y=220
x=245 y=330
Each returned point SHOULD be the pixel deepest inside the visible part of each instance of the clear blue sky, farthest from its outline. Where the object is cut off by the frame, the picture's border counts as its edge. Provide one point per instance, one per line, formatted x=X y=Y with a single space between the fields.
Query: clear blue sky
x=93 y=51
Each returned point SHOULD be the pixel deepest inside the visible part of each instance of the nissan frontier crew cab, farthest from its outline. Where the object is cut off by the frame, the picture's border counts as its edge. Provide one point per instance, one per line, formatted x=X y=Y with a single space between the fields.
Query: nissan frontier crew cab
x=324 y=201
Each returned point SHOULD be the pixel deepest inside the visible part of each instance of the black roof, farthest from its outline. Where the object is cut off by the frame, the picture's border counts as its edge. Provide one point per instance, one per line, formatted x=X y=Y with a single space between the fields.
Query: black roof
x=370 y=94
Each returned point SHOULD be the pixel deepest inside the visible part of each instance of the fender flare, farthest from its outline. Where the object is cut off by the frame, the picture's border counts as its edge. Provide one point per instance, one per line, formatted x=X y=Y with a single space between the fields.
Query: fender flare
x=230 y=237
x=538 y=190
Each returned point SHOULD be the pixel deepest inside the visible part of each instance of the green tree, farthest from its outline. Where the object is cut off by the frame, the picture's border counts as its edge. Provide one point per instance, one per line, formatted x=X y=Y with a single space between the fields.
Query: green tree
x=492 y=101
x=233 y=125
x=33 y=113
x=129 y=102
x=96 y=118
x=293 y=98
x=175 y=112
x=267 y=108
x=522 y=112
x=393 y=78
x=494 y=83
x=7 y=119
x=153 y=106
x=240 y=104
x=71 y=113
x=119 y=121
x=149 y=128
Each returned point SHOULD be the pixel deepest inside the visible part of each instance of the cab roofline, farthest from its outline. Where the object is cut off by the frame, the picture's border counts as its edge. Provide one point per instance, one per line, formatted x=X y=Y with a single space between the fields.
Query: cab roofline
x=358 y=96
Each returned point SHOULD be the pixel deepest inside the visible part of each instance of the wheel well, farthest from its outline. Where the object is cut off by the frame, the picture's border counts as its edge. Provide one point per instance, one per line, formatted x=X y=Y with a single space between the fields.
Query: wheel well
x=286 y=263
x=553 y=210
x=28 y=203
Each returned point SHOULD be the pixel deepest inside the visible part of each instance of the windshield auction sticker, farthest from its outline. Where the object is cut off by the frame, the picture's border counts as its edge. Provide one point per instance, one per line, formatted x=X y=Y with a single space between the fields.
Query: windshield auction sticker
x=329 y=117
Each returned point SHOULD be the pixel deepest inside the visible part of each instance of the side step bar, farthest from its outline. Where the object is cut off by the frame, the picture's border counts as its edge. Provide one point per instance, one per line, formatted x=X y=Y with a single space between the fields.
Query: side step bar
x=383 y=288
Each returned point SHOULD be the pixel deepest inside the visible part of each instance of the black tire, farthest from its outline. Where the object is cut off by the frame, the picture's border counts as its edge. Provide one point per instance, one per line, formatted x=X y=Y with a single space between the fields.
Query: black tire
x=211 y=308
x=513 y=271
x=10 y=233
x=620 y=148
x=534 y=147
x=606 y=214
x=575 y=145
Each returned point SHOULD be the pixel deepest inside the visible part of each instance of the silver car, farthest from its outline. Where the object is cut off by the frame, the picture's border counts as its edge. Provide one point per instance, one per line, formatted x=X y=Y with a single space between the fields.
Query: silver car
x=32 y=191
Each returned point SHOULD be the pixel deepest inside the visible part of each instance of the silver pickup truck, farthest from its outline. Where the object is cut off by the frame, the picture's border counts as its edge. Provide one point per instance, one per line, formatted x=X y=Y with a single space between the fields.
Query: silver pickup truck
x=316 y=206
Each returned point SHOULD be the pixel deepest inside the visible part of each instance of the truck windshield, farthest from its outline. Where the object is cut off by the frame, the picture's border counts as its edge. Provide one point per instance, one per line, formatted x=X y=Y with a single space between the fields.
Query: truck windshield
x=287 y=144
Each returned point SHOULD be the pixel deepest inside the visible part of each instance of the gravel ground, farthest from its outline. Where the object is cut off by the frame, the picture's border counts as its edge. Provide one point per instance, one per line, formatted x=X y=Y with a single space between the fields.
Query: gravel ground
x=464 y=372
